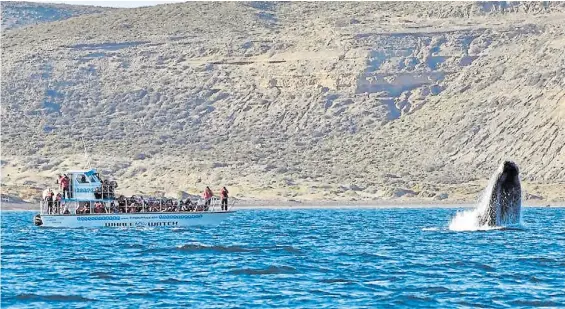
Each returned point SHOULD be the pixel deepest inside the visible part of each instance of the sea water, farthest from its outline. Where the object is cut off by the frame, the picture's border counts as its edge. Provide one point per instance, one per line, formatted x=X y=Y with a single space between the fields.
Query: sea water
x=348 y=258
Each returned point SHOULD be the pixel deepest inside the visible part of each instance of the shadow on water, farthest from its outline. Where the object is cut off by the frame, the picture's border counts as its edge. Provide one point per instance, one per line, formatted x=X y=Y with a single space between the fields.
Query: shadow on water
x=53 y=298
x=271 y=270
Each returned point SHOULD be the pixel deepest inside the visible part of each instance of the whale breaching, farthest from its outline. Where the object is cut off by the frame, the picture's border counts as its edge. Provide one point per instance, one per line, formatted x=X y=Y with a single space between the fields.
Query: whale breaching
x=501 y=204
x=505 y=197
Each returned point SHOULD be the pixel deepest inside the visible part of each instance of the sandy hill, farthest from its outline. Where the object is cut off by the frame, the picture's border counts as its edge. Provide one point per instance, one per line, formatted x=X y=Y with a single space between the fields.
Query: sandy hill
x=318 y=100
x=19 y=14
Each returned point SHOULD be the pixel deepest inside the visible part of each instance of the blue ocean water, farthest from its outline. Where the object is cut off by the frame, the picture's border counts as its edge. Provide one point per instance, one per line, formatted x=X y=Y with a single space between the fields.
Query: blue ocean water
x=376 y=258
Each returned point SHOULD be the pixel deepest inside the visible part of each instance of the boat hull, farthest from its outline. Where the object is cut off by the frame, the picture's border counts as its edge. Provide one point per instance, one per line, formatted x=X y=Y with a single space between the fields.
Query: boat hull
x=177 y=219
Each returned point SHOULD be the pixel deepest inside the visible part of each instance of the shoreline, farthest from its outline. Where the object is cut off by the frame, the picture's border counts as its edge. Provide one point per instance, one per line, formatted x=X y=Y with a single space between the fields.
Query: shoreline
x=266 y=204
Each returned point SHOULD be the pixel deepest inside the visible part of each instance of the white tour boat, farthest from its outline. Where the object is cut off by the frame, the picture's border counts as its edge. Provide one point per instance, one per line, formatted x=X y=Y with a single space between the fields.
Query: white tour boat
x=90 y=202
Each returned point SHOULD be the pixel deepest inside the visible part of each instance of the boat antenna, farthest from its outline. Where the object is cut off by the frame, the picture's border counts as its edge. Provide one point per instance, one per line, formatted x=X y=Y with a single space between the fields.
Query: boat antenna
x=86 y=156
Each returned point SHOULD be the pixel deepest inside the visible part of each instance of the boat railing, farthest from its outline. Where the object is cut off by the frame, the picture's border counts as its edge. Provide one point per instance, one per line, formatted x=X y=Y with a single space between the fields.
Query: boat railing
x=130 y=205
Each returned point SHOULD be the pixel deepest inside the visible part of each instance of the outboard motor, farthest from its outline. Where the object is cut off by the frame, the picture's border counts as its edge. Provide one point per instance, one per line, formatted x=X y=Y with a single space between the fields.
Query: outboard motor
x=37 y=220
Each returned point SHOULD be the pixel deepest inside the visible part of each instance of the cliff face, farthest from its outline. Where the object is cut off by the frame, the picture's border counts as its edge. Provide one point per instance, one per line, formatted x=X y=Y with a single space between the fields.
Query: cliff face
x=292 y=100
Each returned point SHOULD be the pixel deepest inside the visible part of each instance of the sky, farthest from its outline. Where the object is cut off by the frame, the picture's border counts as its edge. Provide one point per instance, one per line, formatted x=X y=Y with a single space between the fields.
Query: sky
x=119 y=3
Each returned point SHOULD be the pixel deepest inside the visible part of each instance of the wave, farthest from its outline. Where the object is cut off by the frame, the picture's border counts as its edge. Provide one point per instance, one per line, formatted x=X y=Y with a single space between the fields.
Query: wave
x=198 y=248
x=173 y=281
x=101 y=275
x=289 y=249
x=53 y=297
x=426 y=229
x=271 y=270
x=83 y=259
x=535 y=303
x=220 y=249
x=14 y=247
x=474 y=265
x=337 y=280
x=134 y=246
x=437 y=289
x=538 y=260
x=139 y=294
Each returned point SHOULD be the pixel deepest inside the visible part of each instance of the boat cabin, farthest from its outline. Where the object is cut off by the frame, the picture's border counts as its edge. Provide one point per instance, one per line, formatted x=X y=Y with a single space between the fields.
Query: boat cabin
x=84 y=184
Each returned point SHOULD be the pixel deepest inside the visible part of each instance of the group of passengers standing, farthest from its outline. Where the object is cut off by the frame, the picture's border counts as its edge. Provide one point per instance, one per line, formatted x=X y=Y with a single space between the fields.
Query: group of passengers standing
x=207 y=195
x=55 y=202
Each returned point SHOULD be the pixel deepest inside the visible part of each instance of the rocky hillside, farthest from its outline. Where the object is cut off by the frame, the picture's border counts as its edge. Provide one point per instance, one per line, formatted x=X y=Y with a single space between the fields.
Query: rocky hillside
x=349 y=101
x=19 y=14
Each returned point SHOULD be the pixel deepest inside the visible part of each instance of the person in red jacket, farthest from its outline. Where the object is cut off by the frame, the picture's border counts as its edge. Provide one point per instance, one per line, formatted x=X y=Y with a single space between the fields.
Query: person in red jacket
x=207 y=197
x=224 y=196
x=64 y=182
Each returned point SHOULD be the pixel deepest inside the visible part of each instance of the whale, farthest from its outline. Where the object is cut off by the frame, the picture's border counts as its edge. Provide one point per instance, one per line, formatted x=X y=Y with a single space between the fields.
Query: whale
x=503 y=199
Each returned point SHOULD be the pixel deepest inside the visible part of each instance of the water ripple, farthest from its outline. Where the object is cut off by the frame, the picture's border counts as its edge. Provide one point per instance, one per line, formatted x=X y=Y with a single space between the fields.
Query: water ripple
x=347 y=258
x=271 y=270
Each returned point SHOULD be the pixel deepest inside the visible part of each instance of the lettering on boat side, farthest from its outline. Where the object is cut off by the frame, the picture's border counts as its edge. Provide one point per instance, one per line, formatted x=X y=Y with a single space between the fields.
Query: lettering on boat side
x=180 y=217
x=162 y=223
x=140 y=224
x=98 y=218
x=116 y=224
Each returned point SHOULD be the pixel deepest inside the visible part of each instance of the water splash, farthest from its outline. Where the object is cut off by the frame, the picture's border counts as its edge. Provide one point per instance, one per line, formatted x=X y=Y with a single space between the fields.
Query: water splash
x=468 y=220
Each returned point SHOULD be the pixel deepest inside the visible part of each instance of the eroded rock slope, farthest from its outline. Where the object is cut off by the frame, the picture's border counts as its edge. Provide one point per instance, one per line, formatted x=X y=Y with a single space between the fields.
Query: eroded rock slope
x=292 y=100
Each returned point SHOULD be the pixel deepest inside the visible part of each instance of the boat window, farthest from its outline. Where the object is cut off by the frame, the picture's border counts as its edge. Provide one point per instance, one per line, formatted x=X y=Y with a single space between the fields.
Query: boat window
x=94 y=179
x=81 y=178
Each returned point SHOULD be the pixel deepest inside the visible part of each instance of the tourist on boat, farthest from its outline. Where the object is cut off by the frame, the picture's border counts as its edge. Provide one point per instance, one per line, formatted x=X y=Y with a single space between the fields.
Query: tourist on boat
x=98 y=193
x=46 y=193
x=58 y=199
x=207 y=196
x=99 y=208
x=189 y=205
x=169 y=206
x=153 y=206
x=48 y=197
x=82 y=208
x=224 y=196
x=122 y=203
x=64 y=182
x=108 y=188
x=114 y=207
x=186 y=205
x=88 y=208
